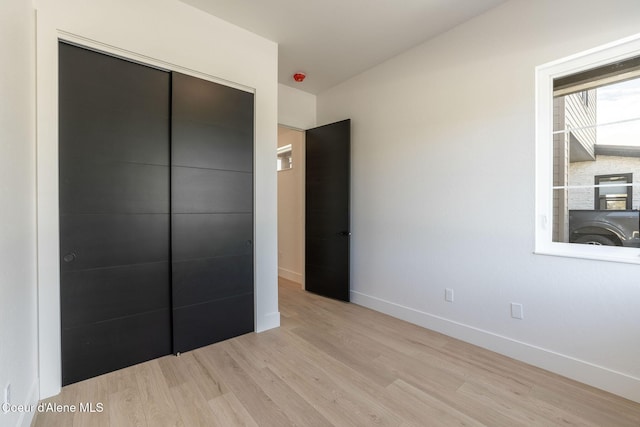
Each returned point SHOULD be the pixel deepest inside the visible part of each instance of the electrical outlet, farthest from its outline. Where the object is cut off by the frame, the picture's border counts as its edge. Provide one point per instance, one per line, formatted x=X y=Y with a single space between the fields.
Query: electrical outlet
x=448 y=294
x=517 y=311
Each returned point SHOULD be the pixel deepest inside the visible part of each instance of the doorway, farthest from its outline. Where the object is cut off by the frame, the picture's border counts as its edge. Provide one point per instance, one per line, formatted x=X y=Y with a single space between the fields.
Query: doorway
x=291 y=205
x=314 y=208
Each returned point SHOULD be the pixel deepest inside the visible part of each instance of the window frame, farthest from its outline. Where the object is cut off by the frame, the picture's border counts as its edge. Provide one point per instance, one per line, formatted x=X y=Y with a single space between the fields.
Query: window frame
x=628 y=199
x=544 y=77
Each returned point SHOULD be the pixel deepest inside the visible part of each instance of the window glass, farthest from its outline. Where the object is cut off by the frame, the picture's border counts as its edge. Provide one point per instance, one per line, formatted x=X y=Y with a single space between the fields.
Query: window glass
x=285 y=159
x=596 y=140
x=588 y=154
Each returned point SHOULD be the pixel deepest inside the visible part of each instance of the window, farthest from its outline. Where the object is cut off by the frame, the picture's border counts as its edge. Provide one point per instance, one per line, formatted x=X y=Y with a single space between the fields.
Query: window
x=285 y=160
x=613 y=192
x=588 y=153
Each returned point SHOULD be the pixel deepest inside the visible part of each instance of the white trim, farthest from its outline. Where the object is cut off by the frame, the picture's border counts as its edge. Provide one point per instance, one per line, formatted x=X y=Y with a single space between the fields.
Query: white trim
x=567 y=366
x=26 y=418
x=290 y=275
x=49 y=333
x=269 y=321
x=545 y=75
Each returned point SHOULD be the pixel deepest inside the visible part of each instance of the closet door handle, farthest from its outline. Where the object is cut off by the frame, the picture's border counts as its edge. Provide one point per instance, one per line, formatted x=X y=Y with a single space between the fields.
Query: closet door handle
x=71 y=256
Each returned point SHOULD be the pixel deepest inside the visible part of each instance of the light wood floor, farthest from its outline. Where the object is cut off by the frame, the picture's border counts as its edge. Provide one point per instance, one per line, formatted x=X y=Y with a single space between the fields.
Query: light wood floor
x=332 y=363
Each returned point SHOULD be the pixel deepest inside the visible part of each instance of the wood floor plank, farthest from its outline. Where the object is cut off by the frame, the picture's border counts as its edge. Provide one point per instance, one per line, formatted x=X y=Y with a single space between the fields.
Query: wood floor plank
x=193 y=409
x=360 y=358
x=174 y=370
x=422 y=409
x=602 y=411
x=244 y=387
x=229 y=412
x=96 y=395
x=351 y=379
x=159 y=407
x=340 y=393
x=339 y=405
x=338 y=364
x=298 y=409
x=208 y=382
x=125 y=406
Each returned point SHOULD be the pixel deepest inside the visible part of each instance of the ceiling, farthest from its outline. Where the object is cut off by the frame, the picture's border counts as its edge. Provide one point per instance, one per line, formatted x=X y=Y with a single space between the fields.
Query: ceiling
x=333 y=40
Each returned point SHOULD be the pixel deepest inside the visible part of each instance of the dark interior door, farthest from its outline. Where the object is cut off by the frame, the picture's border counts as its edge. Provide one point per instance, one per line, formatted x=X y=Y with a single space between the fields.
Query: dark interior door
x=212 y=212
x=328 y=158
x=114 y=213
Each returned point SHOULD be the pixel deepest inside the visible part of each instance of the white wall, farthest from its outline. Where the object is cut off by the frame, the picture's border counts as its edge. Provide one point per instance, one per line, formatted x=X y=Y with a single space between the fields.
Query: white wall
x=291 y=208
x=18 y=316
x=296 y=108
x=176 y=36
x=443 y=194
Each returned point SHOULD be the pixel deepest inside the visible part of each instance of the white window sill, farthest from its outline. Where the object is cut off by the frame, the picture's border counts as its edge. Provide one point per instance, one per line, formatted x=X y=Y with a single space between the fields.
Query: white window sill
x=591 y=252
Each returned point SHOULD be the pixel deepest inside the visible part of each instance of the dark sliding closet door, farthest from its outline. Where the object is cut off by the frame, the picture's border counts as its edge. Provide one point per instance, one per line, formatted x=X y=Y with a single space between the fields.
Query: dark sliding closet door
x=156 y=212
x=212 y=212
x=114 y=213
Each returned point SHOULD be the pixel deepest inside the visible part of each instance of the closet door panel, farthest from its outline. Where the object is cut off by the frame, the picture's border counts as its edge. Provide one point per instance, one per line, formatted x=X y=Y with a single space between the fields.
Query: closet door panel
x=103 y=187
x=213 y=321
x=197 y=236
x=112 y=240
x=109 y=293
x=117 y=135
x=213 y=146
x=114 y=212
x=112 y=84
x=204 y=190
x=192 y=280
x=212 y=212
x=97 y=348
x=202 y=101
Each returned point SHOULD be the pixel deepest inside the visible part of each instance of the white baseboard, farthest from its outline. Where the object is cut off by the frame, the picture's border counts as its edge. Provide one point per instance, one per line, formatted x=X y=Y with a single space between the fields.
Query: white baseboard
x=269 y=321
x=26 y=418
x=290 y=275
x=597 y=376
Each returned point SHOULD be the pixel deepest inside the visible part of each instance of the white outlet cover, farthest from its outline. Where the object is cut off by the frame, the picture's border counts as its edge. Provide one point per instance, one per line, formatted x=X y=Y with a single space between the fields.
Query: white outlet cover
x=448 y=294
x=517 y=312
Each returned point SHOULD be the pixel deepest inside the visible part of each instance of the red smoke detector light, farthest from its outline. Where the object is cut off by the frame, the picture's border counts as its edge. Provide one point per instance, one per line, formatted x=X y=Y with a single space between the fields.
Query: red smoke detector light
x=299 y=77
